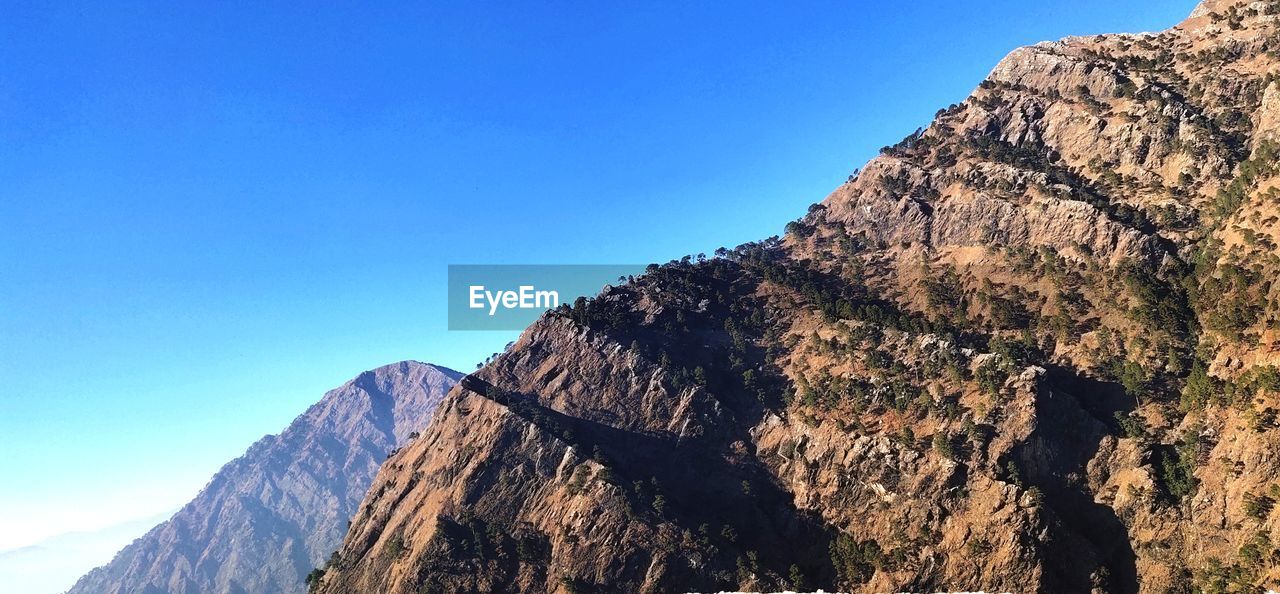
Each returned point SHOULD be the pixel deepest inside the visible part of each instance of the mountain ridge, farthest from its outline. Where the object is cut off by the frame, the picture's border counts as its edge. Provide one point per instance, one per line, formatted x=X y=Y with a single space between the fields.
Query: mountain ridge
x=1029 y=347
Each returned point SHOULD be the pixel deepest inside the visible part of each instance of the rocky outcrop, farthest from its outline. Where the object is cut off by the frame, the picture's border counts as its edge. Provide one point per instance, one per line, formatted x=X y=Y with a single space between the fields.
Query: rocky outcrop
x=267 y=518
x=979 y=219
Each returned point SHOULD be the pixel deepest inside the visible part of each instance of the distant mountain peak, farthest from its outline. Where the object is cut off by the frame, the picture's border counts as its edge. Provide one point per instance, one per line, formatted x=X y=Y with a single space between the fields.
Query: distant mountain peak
x=267 y=518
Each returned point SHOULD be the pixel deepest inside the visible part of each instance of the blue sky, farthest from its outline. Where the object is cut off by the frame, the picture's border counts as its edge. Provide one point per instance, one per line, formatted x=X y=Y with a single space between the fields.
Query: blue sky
x=212 y=212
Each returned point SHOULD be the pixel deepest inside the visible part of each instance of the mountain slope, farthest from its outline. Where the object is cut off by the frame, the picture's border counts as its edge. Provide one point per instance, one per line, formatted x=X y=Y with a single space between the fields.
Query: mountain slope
x=267 y=518
x=1029 y=348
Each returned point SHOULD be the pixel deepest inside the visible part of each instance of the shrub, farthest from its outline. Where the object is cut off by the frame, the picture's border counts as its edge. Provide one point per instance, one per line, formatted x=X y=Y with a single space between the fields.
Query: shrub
x=1200 y=389
x=1130 y=426
x=979 y=547
x=855 y=561
x=991 y=376
x=942 y=445
x=395 y=546
x=1258 y=507
x=797 y=578
x=1176 y=471
x=313 y=579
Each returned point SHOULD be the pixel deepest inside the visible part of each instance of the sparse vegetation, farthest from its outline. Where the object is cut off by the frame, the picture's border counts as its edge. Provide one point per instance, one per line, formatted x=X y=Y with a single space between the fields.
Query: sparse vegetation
x=1176 y=469
x=395 y=546
x=855 y=561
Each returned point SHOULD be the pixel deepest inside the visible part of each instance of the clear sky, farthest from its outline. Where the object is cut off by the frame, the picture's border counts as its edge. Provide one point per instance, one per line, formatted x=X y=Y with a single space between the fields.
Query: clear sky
x=210 y=213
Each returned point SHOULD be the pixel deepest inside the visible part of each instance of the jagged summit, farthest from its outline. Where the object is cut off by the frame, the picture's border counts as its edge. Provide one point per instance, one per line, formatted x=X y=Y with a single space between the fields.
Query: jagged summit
x=397 y=382
x=409 y=367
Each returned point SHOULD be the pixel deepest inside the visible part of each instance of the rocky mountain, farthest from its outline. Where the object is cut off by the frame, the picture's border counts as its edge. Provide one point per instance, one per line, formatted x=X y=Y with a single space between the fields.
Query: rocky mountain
x=267 y=518
x=1031 y=347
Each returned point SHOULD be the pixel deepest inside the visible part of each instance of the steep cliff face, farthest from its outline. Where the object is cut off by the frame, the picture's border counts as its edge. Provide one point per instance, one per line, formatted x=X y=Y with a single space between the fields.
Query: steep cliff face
x=267 y=518
x=1029 y=348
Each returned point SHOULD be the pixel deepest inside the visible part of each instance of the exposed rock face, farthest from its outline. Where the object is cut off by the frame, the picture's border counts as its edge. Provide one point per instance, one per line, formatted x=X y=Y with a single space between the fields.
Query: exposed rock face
x=1029 y=348
x=267 y=518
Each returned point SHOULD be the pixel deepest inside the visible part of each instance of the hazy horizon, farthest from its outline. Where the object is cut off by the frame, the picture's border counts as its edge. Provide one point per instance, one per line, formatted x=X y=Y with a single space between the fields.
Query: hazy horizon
x=53 y=565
